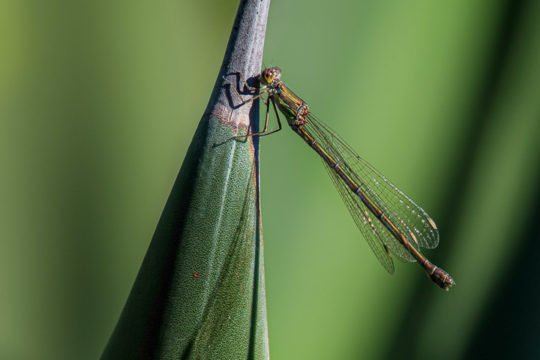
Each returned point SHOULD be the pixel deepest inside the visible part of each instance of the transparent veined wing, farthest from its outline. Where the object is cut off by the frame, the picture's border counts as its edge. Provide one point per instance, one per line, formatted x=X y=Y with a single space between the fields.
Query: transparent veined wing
x=406 y=215
x=364 y=221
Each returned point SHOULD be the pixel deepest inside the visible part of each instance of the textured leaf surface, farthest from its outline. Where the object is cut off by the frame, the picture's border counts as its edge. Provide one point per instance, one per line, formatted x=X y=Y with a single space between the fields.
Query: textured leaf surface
x=200 y=291
x=196 y=295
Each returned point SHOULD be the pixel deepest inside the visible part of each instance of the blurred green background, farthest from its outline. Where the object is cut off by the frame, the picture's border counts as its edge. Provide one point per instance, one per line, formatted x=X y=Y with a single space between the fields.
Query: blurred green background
x=99 y=101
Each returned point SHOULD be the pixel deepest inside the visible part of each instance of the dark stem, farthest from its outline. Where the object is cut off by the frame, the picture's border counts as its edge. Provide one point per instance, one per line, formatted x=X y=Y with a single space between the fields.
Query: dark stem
x=243 y=58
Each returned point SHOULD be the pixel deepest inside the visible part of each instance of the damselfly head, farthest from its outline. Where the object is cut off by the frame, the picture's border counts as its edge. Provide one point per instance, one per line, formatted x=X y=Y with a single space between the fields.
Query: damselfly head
x=270 y=75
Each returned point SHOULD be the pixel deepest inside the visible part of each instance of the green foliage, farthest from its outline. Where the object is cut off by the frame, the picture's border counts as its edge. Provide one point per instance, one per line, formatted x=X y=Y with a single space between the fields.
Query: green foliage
x=200 y=291
x=99 y=102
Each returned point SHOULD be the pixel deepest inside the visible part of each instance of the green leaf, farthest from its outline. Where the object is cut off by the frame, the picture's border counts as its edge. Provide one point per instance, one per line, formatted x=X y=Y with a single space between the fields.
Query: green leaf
x=200 y=291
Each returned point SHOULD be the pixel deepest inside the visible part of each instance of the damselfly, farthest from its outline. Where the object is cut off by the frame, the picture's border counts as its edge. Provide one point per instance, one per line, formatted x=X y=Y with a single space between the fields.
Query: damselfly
x=389 y=220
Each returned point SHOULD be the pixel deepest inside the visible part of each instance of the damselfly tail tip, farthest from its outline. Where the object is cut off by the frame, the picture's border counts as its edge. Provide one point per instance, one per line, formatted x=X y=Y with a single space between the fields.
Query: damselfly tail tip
x=442 y=278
